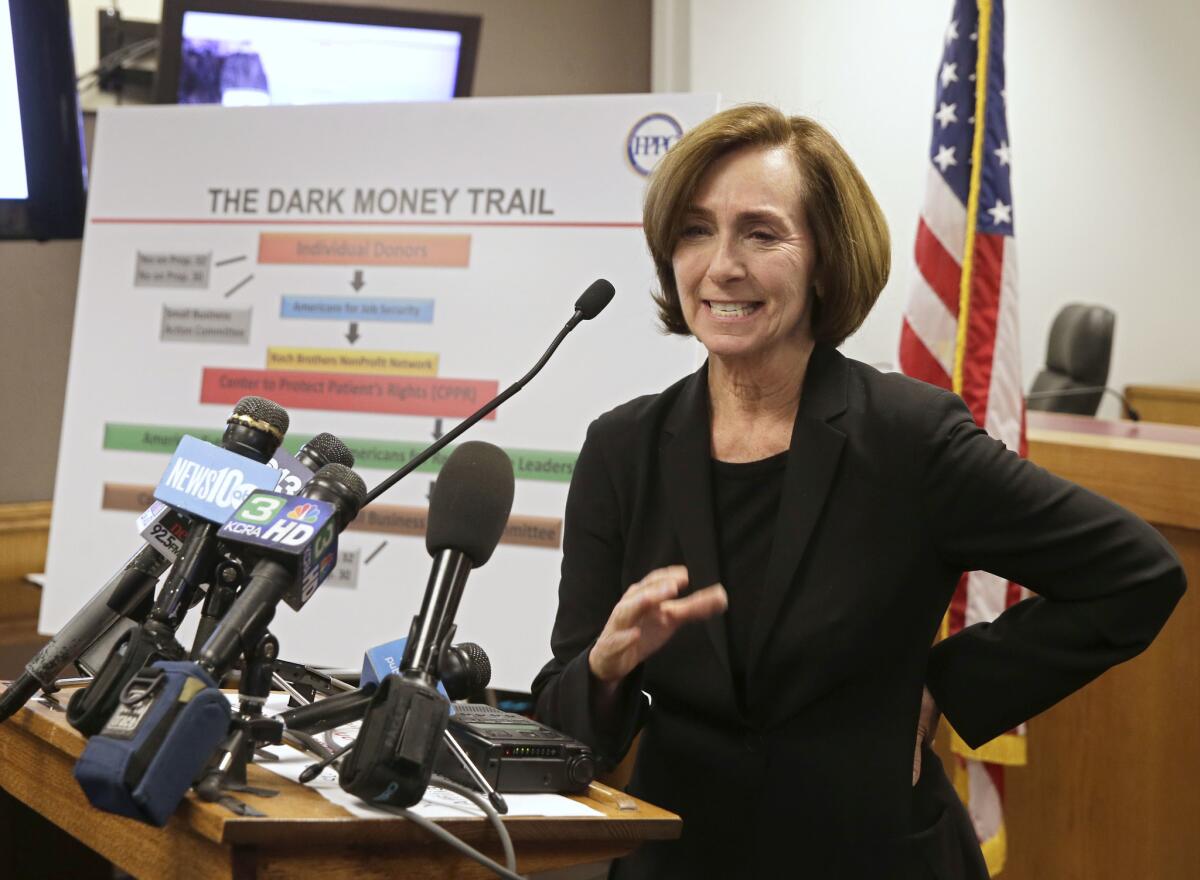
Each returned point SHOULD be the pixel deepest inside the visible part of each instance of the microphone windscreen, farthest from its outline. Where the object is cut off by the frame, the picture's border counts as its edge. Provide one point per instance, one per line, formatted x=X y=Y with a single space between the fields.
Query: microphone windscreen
x=471 y=502
x=263 y=410
x=330 y=449
x=593 y=300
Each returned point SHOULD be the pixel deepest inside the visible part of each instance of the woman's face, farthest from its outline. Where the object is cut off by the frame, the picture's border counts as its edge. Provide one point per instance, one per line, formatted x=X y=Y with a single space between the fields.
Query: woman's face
x=744 y=263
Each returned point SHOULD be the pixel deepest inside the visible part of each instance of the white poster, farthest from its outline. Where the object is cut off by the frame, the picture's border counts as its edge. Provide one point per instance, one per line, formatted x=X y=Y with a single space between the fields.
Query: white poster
x=381 y=271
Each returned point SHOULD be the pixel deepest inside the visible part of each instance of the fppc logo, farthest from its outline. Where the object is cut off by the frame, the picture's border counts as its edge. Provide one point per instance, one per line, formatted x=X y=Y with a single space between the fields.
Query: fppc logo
x=649 y=139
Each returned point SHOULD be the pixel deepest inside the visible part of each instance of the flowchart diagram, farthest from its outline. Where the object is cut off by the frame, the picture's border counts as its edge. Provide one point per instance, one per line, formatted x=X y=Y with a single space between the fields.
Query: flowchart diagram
x=382 y=295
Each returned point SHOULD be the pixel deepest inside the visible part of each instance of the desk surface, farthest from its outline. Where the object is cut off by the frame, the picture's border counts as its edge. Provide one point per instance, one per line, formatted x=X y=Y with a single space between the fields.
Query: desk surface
x=301 y=834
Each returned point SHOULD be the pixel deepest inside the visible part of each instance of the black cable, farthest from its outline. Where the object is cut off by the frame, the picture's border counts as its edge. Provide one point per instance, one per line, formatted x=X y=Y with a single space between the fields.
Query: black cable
x=115 y=60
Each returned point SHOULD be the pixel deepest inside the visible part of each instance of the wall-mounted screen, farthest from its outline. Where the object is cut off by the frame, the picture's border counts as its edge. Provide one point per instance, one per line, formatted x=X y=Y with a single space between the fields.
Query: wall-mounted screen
x=13 y=183
x=257 y=53
x=42 y=172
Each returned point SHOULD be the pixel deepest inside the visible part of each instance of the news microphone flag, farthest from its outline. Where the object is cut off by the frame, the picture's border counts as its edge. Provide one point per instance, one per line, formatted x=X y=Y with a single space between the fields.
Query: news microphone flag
x=211 y=482
x=960 y=328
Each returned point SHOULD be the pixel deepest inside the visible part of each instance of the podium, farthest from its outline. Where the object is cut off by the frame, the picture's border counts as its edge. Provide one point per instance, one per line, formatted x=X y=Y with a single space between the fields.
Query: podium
x=1109 y=790
x=301 y=836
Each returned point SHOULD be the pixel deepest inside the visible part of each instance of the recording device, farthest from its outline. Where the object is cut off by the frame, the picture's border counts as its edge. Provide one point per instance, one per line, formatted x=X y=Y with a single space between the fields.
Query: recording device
x=203 y=481
x=406 y=719
x=142 y=761
x=517 y=755
x=154 y=744
x=590 y=303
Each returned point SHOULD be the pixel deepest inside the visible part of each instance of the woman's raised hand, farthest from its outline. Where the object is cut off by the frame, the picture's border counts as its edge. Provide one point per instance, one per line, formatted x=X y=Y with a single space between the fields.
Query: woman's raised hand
x=646 y=617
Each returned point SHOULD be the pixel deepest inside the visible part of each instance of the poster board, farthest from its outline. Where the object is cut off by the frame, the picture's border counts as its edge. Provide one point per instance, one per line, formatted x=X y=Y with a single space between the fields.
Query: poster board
x=380 y=271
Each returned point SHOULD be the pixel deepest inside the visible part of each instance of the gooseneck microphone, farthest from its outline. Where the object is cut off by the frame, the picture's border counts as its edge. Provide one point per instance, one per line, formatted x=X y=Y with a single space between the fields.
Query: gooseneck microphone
x=590 y=303
x=254 y=608
x=1130 y=413
x=406 y=719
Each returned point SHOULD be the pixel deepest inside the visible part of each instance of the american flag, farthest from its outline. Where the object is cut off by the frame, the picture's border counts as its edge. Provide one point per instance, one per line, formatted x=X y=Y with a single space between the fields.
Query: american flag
x=960 y=328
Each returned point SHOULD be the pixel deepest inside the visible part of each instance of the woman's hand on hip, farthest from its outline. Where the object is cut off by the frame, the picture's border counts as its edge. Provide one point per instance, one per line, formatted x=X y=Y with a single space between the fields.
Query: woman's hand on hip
x=646 y=617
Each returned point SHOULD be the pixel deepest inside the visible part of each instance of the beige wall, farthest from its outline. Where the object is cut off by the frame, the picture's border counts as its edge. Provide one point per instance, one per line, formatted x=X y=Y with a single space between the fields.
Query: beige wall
x=527 y=47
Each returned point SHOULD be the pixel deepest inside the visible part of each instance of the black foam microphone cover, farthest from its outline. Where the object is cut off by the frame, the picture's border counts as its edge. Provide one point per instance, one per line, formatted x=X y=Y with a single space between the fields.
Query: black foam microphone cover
x=471 y=502
x=593 y=300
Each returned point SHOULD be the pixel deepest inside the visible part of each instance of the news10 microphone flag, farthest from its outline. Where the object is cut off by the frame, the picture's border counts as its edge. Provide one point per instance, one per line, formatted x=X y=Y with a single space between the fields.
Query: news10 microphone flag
x=381 y=295
x=960 y=329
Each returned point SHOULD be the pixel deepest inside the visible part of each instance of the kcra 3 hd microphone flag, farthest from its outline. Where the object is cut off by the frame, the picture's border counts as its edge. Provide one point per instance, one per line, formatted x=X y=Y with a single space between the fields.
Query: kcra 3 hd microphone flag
x=304 y=529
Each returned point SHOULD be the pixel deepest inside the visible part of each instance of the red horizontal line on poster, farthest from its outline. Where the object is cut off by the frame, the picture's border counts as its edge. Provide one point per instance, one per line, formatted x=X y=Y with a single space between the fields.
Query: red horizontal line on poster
x=350 y=392
x=265 y=221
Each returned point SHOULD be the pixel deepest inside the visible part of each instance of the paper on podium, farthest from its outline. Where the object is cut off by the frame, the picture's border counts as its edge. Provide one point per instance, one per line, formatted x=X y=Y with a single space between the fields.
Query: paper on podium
x=438 y=803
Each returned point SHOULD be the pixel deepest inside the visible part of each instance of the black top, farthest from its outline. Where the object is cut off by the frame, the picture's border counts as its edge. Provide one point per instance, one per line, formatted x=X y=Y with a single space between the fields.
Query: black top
x=891 y=491
x=746 y=503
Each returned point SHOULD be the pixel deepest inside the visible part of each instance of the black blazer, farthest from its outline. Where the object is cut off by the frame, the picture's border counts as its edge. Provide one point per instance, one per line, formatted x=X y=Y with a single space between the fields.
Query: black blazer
x=891 y=491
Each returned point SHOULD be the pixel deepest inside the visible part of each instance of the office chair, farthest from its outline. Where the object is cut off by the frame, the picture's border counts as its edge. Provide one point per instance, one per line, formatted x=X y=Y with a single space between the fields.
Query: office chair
x=1078 y=353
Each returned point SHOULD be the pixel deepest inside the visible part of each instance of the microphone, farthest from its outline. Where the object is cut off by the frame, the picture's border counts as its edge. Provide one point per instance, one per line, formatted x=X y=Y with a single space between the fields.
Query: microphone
x=467 y=515
x=254 y=431
x=123 y=593
x=301 y=539
x=590 y=303
x=406 y=719
x=464 y=669
x=171 y=718
x=593 y=300
x=324 y=449
x=1130 y=413
x=321 y=450
x=120 y=597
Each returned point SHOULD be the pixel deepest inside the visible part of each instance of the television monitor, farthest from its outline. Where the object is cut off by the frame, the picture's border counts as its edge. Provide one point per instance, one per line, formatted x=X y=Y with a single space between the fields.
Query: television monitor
x=43 y=176
x=255 y=52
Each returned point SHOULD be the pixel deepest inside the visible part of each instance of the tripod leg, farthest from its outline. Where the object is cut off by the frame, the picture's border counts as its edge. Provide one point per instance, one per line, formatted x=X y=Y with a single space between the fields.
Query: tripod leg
x=480 y=780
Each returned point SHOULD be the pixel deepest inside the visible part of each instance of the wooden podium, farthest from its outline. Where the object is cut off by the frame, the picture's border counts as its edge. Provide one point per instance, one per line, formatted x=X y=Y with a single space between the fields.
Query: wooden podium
x=1110 y=791
x=302 y=836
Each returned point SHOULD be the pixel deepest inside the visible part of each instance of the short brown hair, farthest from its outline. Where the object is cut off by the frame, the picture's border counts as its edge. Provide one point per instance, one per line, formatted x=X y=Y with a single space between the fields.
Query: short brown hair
x=853 y=247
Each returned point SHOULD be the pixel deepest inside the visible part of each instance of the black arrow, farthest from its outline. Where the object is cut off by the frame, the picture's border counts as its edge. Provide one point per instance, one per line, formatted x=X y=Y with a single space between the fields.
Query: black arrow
x=353 y=334
x=374 y=553
x=357 y=283
x=437 y=429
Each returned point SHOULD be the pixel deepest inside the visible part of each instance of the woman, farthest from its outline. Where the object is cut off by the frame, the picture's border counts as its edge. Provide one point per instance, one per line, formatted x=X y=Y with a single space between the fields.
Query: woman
x=811 y=517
